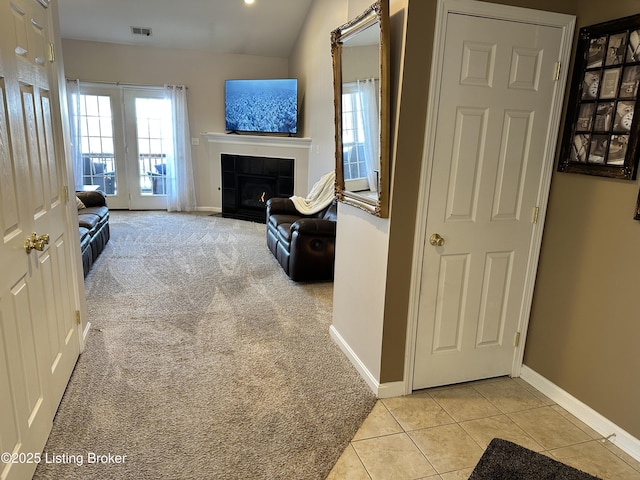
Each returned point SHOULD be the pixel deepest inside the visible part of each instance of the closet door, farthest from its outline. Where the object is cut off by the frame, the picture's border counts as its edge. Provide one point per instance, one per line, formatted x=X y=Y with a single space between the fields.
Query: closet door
x=490 y=172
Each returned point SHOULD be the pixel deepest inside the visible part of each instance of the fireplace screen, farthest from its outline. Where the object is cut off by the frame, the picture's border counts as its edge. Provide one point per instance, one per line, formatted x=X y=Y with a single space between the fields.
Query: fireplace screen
x=254 y=192
x=248 y=182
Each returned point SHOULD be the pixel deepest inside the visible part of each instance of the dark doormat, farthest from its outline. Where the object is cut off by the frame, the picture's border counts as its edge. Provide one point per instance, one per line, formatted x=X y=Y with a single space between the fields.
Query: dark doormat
x=508 y=461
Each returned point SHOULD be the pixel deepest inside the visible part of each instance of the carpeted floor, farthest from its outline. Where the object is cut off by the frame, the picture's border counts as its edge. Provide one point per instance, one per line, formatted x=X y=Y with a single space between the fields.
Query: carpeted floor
x=204 y=361
x=506 y=460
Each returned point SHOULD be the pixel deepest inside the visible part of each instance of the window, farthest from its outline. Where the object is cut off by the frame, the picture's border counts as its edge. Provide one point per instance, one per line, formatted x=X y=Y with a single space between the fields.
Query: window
x=154 y=139
x=353 y=133
x=97 y=145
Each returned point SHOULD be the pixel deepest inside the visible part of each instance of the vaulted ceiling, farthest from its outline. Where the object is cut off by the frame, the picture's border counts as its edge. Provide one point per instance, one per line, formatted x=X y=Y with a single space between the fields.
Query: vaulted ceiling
x=266 y=27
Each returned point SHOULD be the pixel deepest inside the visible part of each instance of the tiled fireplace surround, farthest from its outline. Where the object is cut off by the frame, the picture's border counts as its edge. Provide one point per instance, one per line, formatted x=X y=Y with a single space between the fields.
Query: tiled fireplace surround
x=296 y=148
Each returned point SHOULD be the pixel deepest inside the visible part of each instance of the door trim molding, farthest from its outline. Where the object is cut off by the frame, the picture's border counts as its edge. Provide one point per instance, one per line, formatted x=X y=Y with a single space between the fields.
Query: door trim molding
x=500 y=12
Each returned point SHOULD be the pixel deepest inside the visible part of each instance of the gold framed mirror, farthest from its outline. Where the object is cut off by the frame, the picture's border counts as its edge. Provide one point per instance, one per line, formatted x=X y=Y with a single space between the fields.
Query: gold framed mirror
x=360 y=53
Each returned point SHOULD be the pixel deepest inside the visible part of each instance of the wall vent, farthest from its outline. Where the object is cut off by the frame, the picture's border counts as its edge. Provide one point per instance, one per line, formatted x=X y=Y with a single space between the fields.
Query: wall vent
x=145 y=31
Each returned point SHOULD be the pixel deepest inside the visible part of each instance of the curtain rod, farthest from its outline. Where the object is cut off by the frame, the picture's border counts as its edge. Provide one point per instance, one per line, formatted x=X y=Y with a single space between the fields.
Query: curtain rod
x=123 y=84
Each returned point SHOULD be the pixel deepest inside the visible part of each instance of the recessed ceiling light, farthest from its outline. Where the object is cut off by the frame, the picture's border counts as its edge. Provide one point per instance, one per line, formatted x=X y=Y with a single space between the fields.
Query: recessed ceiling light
x=249 y=2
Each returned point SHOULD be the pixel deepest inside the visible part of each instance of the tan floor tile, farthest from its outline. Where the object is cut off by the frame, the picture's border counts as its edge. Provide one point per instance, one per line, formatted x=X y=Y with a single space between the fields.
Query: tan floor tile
x=536 y=393
x=592 y=457
x=504 y=378
x=464 y=403
x=618 y=452
x=417 y=411
x=508 y=395
x=549 y=428
x=348 y=467
x=394 y=457
x=533 y=421
x=578 y=423
x=458 y=474
x=484 y=430
x=447 y=447
x=379 y=422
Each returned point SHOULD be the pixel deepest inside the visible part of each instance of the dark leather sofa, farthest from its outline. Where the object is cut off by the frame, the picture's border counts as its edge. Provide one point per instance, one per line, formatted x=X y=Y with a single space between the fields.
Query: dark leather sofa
x=93 y=223
x=304 y=245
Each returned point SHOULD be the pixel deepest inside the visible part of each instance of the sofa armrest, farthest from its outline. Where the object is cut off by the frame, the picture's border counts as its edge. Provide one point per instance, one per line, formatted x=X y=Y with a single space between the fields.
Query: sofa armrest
x=314 y=226
x=93 y=199
x=281 y=205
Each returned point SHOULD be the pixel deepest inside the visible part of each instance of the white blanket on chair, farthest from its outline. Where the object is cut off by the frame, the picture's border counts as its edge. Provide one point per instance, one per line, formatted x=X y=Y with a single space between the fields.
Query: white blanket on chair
x=320 y=196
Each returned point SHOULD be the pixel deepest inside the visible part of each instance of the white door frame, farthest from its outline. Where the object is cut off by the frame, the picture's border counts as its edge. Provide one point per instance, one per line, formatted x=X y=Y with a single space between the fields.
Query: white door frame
x=501 y=12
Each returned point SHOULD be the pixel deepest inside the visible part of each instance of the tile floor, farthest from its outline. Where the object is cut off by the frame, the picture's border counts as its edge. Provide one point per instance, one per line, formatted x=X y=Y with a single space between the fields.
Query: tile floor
x=441 y=433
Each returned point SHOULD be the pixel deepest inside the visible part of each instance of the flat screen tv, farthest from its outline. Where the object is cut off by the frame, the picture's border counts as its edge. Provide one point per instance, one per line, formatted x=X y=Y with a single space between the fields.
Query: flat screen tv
x=261 y=106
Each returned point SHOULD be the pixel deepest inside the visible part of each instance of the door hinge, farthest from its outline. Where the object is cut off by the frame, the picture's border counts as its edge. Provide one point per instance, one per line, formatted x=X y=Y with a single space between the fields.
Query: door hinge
x=52 y=52
x=65 y=193
x=516 y=340
x=78 y=317
x=556 y=71
x=536 y=213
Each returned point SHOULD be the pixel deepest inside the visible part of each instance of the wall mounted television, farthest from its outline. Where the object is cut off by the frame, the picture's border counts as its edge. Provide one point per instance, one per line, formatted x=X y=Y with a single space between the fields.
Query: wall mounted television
x=262 y=106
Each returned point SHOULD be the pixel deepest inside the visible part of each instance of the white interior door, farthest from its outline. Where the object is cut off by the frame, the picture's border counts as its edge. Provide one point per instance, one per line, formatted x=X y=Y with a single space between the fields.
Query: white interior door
x=491 y=147
x=39 y=337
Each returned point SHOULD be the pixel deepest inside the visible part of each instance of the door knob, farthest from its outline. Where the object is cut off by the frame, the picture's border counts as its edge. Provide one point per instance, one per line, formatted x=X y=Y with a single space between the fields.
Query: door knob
x=36 y=242
x=436 y=240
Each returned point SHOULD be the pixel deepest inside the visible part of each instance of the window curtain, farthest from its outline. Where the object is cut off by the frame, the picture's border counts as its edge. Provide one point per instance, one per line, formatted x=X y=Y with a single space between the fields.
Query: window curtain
x=181 y=195
x=368 y=91
x=73 y=100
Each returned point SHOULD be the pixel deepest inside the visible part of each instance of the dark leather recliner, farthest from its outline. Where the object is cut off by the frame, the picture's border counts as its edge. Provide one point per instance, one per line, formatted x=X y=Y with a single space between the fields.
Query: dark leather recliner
x=93 y=222
x=304 y=245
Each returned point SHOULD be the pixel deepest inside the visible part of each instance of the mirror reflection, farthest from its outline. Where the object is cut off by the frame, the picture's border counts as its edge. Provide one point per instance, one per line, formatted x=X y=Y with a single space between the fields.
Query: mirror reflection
x=361 y=91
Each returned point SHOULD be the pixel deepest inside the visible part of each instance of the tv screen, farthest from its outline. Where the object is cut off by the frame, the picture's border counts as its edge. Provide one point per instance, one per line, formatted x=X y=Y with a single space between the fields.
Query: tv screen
x=266 y=106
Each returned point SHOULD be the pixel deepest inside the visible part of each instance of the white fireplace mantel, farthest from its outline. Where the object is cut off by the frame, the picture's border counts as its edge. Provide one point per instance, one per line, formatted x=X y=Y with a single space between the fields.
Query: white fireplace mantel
x=297 y=148
x=258 y=140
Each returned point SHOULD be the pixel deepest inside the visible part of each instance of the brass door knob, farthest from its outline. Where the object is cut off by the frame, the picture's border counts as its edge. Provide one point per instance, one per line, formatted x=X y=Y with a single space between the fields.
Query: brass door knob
x=36 y=242
x=436 y=240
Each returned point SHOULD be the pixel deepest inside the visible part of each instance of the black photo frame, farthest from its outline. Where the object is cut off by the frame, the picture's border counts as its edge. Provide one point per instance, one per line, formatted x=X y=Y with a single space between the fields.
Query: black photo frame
x=601 y=129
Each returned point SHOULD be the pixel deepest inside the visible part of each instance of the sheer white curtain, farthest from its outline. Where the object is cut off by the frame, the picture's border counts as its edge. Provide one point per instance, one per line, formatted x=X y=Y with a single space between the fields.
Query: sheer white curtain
x=369 y=95
x=181 y=195
x=73 y=100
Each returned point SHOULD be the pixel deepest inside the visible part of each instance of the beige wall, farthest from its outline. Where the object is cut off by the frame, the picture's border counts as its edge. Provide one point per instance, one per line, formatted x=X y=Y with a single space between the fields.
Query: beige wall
x=310 y=62
x=203 y=73
x=410 y=120
x=585 y=321
x=362 y=240
x=584 y=324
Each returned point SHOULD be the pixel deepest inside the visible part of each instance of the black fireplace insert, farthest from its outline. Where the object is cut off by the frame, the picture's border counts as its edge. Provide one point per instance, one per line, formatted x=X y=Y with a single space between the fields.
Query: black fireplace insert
x=248 y=182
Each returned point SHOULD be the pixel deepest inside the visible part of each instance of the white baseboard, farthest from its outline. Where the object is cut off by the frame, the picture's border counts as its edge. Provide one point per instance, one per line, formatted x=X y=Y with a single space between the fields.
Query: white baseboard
x=605 y=427
x=85 y=336
x=384 y=390
x=209 y=209
x=391 y=389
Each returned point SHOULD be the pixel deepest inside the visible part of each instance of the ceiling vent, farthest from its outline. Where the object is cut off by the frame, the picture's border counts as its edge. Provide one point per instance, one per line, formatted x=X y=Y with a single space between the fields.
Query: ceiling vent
x=144 y=31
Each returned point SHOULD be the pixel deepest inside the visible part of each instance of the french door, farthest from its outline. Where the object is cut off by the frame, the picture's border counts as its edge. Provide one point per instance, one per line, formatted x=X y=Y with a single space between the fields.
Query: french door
x=126 y=135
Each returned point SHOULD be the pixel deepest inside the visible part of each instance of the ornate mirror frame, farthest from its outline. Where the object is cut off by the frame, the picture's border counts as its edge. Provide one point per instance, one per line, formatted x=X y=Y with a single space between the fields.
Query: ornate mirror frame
x=372 y=200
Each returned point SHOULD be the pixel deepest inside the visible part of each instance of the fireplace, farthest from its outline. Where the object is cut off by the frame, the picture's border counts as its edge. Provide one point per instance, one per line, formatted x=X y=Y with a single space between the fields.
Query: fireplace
x=248 y=182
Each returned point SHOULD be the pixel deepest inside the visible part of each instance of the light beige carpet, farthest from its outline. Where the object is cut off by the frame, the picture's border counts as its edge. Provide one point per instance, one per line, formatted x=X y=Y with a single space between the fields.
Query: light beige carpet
x=204 y=361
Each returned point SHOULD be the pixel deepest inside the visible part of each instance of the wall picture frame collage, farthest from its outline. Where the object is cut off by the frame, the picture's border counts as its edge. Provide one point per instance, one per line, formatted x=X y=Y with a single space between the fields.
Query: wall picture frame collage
x=601 y=136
